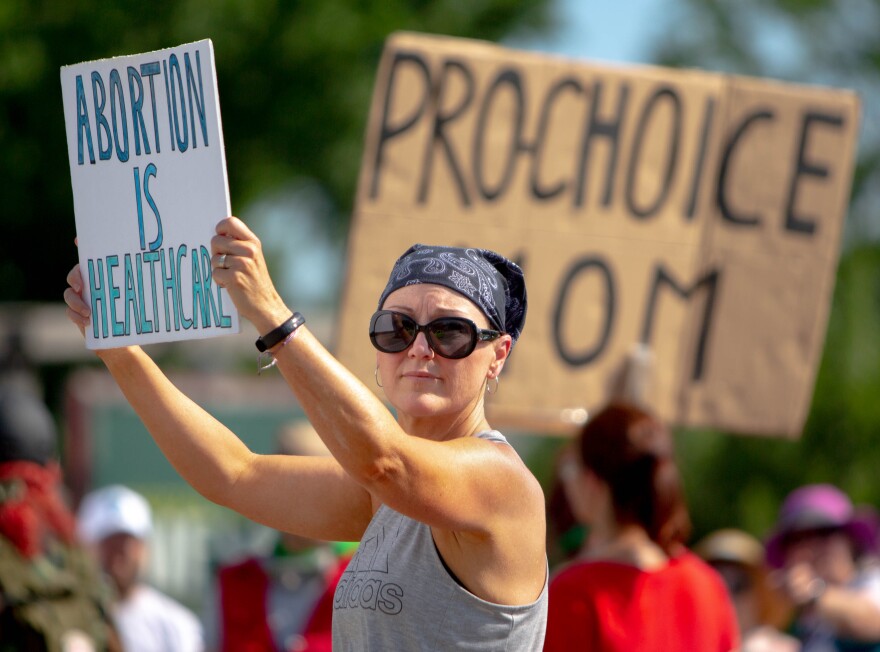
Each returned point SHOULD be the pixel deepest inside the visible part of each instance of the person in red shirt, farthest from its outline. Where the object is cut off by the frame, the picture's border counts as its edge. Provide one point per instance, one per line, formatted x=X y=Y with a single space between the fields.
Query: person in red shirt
x=634 y=585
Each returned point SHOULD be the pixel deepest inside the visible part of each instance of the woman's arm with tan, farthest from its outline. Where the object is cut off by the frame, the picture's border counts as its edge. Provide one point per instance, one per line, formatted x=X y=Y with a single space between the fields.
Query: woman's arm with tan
x=485 y=505
x=305 y=495
x=464 y=484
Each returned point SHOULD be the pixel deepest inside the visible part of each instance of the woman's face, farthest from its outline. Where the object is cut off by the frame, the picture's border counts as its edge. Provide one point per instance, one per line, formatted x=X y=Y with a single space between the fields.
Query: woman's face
x=828 y=552
x=418 y=382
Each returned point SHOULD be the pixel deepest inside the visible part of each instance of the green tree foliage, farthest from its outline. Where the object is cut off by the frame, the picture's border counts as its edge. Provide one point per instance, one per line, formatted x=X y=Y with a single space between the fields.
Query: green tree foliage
x=294 y=81
x=740 y=481
x=805 y=41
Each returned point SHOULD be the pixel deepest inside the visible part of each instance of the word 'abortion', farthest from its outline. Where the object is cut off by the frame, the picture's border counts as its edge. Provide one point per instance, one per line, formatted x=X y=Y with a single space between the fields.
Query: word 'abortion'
x=475 y=130
x=103 y=115
x=146 y=293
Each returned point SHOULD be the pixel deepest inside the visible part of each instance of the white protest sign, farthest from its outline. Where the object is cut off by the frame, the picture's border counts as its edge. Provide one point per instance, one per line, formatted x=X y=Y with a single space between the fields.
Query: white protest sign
x=148 y=170
x=695 y=213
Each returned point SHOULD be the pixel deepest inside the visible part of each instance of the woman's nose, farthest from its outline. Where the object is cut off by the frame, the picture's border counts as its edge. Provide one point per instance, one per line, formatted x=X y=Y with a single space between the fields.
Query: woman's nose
x=420 y=347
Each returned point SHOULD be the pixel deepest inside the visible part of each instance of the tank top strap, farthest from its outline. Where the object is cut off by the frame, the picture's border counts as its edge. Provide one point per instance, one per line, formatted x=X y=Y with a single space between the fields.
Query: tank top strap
x=494 y=436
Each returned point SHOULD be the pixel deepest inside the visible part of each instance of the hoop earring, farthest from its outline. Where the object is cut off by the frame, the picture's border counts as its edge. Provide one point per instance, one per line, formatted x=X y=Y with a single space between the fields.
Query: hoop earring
x=488 y=385
x=376 y=376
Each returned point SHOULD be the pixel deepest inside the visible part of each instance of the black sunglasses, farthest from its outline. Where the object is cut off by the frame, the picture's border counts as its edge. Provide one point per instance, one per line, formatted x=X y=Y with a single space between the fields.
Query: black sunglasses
x=450 y=337
x=735 y=575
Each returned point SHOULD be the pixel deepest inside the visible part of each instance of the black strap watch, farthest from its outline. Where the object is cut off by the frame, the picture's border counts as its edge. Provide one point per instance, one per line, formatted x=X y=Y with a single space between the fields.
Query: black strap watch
x=276 y=335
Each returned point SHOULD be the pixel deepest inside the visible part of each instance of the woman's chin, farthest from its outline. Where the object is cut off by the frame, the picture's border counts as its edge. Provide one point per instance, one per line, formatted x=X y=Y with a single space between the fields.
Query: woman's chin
x=422 y=405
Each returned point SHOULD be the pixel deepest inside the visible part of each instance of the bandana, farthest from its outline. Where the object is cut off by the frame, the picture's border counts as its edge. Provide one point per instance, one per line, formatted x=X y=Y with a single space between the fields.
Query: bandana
x=494 y=283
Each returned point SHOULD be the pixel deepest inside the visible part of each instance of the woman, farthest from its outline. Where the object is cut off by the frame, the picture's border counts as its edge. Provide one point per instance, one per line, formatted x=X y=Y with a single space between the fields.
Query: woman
x=634 y=586
x=450 y=520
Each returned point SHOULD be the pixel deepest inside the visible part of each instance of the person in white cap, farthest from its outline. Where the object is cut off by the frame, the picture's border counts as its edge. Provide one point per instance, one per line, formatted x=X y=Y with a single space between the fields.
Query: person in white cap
x=116 y=522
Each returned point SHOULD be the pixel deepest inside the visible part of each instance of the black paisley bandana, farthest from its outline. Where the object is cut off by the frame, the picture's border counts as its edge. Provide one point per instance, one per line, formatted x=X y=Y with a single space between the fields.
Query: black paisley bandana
x=494 y=283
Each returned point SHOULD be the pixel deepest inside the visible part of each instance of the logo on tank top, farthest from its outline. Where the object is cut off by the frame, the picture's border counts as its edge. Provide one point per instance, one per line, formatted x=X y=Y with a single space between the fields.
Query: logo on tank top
x=362 y=585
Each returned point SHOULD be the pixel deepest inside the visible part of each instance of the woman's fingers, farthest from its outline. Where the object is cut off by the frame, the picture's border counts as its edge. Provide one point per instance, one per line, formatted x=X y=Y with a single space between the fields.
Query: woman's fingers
x=239 y=266
x=74 y=278
x=73 y=297
x=78 y=311
x=236 y=247
x=78 y=320
x=232 y=248
x=234 y=228
x=75 y=302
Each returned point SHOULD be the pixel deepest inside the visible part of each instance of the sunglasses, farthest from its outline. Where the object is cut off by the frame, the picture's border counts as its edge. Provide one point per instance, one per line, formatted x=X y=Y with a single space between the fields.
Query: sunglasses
x=735 y=576
x=450 y=337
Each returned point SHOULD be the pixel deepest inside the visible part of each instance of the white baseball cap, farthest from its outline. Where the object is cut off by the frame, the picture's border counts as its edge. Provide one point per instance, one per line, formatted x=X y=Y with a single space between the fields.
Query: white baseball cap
x=111 y=510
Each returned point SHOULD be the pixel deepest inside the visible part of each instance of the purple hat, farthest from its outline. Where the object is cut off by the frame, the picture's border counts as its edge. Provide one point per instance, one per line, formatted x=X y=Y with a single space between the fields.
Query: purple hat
x=815 y=507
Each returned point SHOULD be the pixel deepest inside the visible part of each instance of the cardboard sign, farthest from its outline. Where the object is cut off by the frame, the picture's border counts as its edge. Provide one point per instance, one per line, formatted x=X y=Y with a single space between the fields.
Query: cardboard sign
x=148 y=170
x=699 y=214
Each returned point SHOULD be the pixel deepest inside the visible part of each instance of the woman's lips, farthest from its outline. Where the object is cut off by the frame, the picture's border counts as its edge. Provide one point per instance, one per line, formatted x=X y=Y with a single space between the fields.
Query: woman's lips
x=419 y=375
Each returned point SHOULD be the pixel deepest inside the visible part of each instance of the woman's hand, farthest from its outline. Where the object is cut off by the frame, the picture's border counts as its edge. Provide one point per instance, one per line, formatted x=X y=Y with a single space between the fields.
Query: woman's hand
x=801 y=585
x=239 y=266
x=78 y=311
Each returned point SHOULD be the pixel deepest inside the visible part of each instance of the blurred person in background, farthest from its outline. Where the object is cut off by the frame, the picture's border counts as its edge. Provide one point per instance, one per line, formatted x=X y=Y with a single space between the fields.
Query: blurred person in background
x=634 y=585
x=272 y=601
x=116 y=523
x=824 y=551
x=51 y=594
x=761 y=611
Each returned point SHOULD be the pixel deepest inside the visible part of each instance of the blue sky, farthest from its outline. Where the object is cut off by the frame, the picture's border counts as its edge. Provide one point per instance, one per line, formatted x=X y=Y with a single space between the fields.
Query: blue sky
x=618 y=31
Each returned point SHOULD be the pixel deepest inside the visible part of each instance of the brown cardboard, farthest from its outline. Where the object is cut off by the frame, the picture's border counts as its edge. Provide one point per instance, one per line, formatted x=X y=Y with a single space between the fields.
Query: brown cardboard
x=680 y=203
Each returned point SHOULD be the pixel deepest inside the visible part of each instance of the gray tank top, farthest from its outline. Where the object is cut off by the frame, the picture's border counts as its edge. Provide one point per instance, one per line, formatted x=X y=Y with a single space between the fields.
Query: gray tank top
x=397 y=595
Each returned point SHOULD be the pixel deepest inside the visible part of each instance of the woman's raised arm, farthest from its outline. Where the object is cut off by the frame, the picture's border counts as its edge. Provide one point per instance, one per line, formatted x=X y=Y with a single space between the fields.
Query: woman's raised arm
x=305 y=495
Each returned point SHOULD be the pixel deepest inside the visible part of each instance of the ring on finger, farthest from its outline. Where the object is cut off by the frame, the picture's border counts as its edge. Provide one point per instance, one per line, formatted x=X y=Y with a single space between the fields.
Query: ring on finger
x=221 y=261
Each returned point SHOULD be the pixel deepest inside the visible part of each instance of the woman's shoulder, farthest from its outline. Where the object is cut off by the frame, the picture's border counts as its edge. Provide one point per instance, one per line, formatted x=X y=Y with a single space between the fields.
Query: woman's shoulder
x=509 y=452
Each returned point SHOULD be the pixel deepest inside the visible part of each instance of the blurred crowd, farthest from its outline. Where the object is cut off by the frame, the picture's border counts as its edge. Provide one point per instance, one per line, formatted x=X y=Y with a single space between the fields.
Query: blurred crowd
x=75 y=580
x=628 y=580
x=624 y=572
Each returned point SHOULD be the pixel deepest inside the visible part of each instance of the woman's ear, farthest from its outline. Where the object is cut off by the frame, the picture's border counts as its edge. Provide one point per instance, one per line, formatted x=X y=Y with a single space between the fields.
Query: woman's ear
x=502 y=349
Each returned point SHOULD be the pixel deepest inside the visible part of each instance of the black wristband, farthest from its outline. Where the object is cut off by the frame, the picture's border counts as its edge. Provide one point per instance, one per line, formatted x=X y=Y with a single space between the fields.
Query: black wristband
x=270 y=339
